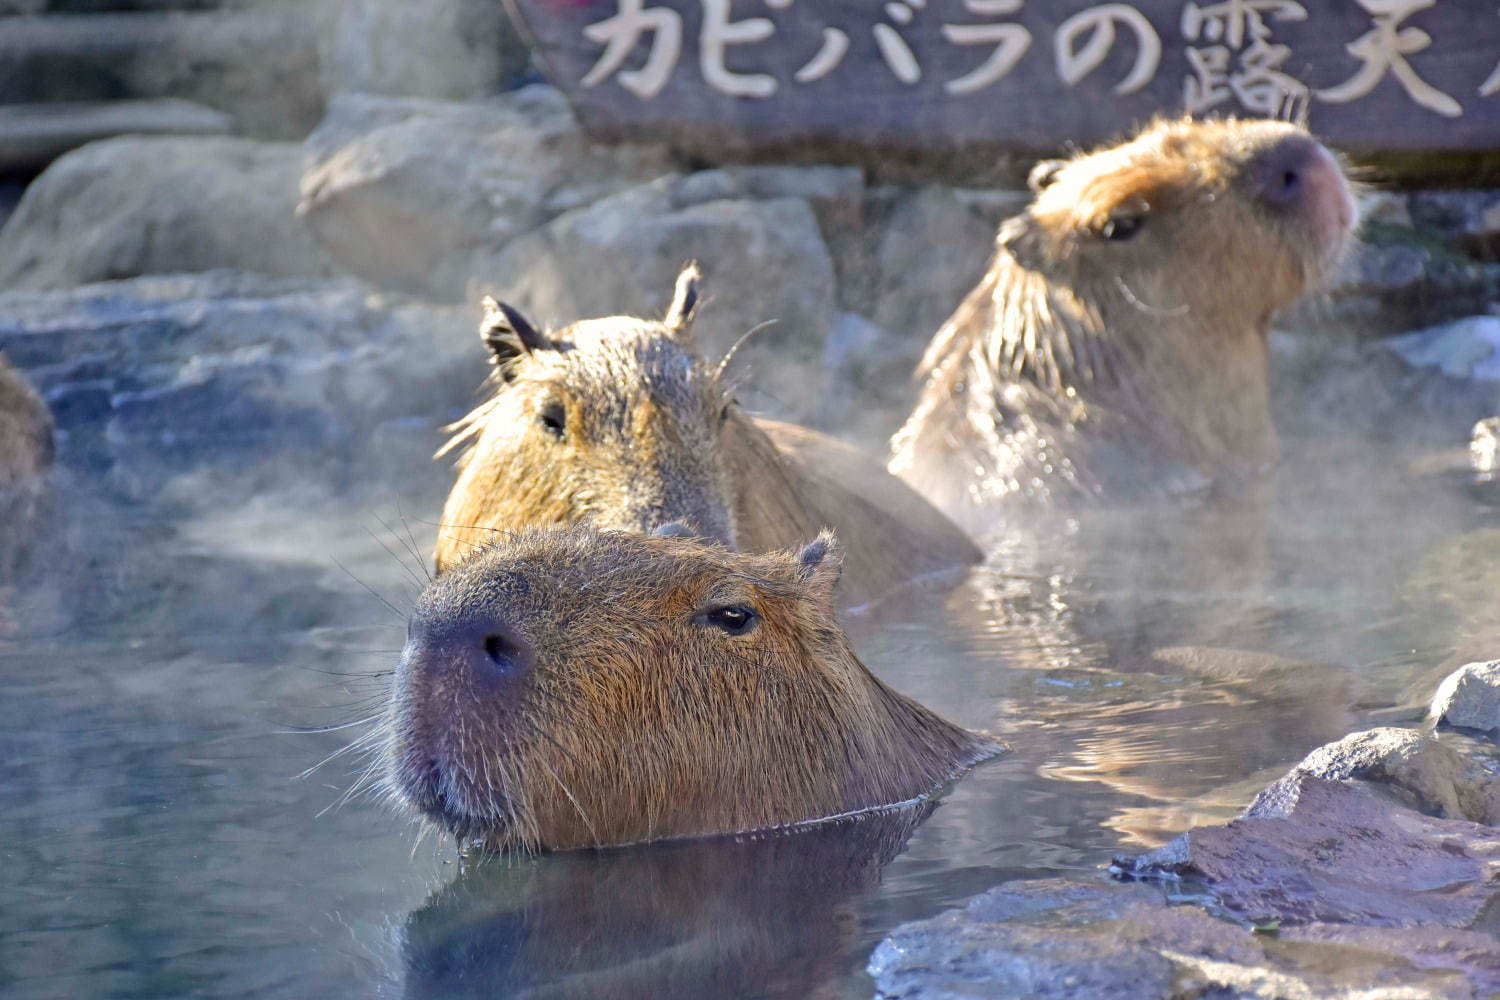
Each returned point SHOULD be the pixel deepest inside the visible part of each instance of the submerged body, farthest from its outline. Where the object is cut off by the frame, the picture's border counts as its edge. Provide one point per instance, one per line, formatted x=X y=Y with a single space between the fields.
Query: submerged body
x=575 y=688
x=1117 y=346
x=25 y=461
x=617 y=422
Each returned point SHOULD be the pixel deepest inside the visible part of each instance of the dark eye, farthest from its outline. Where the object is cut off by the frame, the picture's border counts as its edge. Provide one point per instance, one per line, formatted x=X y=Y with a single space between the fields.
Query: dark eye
x=736 y=619
x=554 y=419
x=724 y=410
x=1122 y=227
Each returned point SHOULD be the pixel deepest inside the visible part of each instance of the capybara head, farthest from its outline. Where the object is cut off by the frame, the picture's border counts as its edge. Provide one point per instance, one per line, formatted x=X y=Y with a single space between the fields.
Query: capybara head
x=1204 y=218
x=570 y=687
x=1131 y=303
x=611 y=421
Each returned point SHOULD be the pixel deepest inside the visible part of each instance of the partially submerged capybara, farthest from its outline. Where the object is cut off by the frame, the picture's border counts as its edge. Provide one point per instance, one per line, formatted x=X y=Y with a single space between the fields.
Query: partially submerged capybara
x=1117 y=345
x=619 y=423
x=25 y=460
x=570 y=688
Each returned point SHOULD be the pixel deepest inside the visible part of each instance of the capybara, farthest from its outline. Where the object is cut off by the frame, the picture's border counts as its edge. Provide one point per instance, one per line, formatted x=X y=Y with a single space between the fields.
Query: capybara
x=568 y=687
x=26 y=452
x=618 y=422
x=1117 y=346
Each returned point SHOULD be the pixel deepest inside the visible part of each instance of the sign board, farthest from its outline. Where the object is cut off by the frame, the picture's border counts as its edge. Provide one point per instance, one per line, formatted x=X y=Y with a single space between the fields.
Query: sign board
x=726 y=76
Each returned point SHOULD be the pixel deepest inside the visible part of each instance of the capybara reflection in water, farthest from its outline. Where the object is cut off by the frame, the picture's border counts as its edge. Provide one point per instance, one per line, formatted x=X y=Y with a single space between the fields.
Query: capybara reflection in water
x=1117 y=345
x=618 y=422
x=571 y=688
x=25 y=461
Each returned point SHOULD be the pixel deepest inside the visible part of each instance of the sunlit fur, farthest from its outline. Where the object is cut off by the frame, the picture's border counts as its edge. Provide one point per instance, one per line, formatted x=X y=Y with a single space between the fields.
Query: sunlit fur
x=1082 y=366
x=653 y=436
x=25 y=459
x=631 y=721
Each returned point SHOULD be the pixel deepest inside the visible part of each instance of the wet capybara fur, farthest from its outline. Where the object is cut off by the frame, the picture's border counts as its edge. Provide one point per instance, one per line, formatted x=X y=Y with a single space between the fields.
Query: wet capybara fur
x=619 y=423
x=1117 y=346
x=26 y=453
x=572 y=688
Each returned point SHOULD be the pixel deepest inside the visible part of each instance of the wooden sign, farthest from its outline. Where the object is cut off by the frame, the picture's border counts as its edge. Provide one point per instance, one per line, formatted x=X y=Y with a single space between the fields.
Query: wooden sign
x=722 y=76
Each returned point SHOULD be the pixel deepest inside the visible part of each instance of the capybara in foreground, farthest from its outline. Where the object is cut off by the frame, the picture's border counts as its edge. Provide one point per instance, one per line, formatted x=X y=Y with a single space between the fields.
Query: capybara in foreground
x=25 y=460
x=1117 y=345
x=619 y=423
x=569 y=688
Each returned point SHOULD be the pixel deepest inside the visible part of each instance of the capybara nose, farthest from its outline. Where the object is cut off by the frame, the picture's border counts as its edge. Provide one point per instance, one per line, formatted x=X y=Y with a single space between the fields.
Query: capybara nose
x=485 y=650
x=1299 y=175
x=1281 y=173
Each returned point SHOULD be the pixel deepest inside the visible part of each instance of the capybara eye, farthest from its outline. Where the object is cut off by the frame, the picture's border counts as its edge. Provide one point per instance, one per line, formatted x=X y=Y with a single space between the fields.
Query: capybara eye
x=735 y=619
x=1122 y=227
x=554 y=419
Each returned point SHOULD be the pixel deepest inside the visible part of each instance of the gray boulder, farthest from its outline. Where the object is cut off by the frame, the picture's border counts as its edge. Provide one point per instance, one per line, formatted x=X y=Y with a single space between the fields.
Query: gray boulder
x=405 y=192
x=444 y=49
x=763 y=260
x=156 y=376
x=1416 y=769
x=1470 y=699
x=156 y=205
x=932 y=251
x=1315 y=849
x=1058 y=939
x=257 y=63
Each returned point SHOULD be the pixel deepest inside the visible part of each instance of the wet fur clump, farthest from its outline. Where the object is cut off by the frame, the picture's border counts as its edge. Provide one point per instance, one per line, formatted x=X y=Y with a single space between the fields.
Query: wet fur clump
x=1117 y=345
x=573 y=688
x=617 y=422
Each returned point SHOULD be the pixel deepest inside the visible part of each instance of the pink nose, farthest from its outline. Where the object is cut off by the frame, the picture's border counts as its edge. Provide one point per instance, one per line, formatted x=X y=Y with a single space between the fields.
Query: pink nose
x=1299 y=175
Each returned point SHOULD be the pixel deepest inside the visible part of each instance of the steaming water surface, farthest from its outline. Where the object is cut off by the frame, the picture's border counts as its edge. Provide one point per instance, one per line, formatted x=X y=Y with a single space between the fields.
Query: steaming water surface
x=1150 y=671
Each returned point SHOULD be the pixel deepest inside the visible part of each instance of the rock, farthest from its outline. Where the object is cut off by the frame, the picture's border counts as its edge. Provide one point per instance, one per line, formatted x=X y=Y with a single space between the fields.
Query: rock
x=1369 y=391
x=1395 y=279
x=864 y=370
x=404 y=192
x=1057 y=938
x=33 y=135
x=933 y=250
x=762 y=261
x=1454 y=214
x=1465 y=348
x=135 y=206
x=445 y=49
x=1384 y=208
x=1484 y=448
x=1311 y=849
x=1470 y=699
x=259 y=65
x=1416 y=769
x=157 y=376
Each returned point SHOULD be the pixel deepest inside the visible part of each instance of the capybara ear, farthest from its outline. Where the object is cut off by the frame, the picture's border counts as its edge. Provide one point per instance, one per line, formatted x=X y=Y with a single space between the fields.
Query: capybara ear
x=507 y=333
x=679 y=318
x=1021 y=237
x=1043 y=174
x=820 y=563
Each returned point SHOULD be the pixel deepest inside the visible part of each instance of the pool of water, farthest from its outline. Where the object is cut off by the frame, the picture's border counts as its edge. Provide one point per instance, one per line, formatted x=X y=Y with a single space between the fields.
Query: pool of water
x=173 y=822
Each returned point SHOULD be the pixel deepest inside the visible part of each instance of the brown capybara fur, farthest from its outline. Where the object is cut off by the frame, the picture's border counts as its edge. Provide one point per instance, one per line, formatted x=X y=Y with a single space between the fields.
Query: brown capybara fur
x=1117 y=345
x=619 y=423
x=571 y=688
x=25 y=460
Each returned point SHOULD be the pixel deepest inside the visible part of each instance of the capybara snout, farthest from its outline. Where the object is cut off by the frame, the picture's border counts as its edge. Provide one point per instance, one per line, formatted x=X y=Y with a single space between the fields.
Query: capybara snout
x=570 y=687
